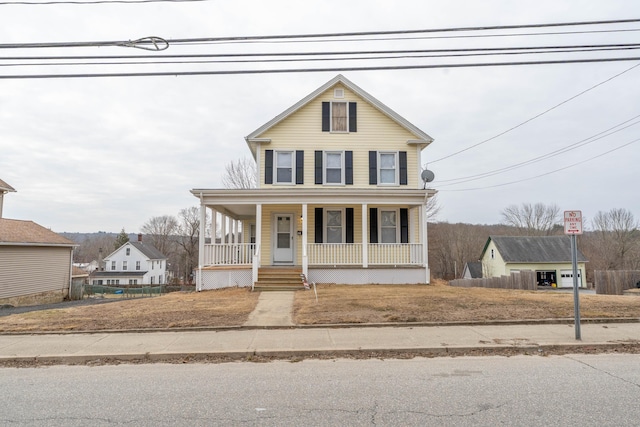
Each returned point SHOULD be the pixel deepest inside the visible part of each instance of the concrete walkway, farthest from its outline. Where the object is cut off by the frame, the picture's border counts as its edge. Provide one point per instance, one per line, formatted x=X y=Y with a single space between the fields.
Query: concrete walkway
x=245 y=343
x=273 y=309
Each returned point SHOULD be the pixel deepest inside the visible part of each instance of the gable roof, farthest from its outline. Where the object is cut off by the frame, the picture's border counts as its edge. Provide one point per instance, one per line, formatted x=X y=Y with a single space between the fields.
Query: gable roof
x=420 y=135
x=4 y=187
x=28 y=233
x=148 y=250
x=474 y=268
x=530 y=249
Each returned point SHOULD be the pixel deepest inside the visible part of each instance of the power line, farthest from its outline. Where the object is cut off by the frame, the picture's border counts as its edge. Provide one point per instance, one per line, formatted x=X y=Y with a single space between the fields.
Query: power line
x=598 y=136
x=550 y=172
x=290 y=37
x=317 y=70
x=534 y=117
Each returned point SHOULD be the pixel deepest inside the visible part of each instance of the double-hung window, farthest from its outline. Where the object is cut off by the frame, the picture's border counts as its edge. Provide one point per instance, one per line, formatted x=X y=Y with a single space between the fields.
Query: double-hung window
x=284 y=167
x=334 y=167
x=388 y=226
x=388 y=168
x=124 y=265
x=113 y=265
x=137 y=265
x=334 y=229
x=339 y=118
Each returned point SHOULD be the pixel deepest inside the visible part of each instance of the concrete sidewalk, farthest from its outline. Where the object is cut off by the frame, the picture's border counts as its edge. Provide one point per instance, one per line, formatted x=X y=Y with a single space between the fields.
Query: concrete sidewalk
x=243 y=343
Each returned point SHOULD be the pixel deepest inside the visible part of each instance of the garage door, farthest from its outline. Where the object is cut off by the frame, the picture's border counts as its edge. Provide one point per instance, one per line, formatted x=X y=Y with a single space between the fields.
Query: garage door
x=566 y=278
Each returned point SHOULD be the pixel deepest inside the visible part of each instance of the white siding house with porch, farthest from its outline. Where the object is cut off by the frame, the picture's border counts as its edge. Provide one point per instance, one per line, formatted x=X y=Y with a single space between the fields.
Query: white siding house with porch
x=339 y=197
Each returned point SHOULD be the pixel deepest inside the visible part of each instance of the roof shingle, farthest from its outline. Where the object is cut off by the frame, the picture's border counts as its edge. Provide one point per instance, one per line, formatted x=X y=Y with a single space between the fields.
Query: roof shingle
x=13 y=231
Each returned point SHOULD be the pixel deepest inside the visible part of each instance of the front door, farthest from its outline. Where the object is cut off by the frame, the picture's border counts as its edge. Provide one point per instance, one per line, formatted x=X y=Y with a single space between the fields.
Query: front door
x=283 y=239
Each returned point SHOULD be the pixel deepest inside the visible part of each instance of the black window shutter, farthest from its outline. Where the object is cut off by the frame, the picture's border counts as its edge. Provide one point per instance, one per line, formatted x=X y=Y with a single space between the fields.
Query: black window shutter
x=373 y=225
x=299 y=167
x=349 y=223
x=373 y=167
x=403 y=167
x=326 y=117
x=318 y=225
x=353 y=121
x=318 y=167
x=404 y=225
x=268 y=166
x=348 y=167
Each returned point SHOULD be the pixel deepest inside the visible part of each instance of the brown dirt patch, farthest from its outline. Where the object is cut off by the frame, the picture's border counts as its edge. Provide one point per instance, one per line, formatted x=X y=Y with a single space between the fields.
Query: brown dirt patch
x=224 y=307
x=336 y=304
x=439 y=302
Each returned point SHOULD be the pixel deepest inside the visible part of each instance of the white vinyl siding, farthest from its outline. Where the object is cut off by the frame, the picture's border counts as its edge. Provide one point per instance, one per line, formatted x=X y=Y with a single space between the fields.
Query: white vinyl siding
x=33 y=270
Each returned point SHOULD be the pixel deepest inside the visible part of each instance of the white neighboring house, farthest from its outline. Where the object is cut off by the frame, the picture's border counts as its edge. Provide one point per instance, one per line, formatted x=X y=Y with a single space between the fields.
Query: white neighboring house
x=134 y=263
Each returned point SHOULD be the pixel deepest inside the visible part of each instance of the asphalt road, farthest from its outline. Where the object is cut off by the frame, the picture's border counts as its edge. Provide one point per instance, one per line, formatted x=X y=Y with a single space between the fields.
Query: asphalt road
x=575 y=390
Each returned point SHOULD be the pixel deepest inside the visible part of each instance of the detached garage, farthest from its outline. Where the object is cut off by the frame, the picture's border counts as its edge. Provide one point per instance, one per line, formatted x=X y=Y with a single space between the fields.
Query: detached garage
x=35 y=263
x=548 y=256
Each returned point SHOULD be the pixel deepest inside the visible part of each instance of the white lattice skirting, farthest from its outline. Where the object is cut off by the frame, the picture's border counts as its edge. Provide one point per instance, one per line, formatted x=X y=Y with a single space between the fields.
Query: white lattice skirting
x=364 y=276
x=216 y=279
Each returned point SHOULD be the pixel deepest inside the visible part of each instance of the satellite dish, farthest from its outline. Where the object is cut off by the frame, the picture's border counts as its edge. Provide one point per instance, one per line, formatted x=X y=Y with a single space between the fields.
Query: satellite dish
x=427 y=176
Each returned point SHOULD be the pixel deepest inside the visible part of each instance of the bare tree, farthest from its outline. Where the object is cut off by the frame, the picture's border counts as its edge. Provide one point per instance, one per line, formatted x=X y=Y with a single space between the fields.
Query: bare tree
x=533 y=220
x=159 y=231
x=433 y=208
x=189 y=233
x=240 y=174
x=616 y=239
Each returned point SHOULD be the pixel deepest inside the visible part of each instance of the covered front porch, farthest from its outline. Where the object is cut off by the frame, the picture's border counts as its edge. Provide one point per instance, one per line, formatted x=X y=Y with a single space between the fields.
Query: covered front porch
x=342 y=236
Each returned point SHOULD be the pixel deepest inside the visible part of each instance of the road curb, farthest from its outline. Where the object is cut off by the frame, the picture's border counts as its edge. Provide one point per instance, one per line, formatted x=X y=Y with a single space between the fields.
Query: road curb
x=296 y=355
x=552 y=321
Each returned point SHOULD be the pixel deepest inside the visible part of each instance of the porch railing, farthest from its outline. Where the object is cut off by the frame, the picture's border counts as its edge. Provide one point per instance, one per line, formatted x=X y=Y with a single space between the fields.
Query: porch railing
x=229 y=254
x=322 y=254
x=377 y=254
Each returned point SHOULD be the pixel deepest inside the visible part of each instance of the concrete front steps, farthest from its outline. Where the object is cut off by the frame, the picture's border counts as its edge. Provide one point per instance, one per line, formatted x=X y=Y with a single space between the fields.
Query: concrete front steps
x=279 y=279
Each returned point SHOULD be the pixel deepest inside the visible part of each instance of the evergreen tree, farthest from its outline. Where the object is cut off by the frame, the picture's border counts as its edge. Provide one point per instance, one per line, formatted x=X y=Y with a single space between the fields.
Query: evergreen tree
x=121 y=239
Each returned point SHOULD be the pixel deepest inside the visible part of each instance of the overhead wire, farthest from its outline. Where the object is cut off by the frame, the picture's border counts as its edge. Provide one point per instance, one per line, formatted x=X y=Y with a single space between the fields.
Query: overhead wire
x=546 y=173
x=593 y=138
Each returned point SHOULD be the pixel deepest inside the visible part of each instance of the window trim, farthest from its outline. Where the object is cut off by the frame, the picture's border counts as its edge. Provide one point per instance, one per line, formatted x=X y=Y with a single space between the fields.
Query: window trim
x=343 y=225
x=397 y=226
x=396 y=156
x=325 y=167
x=292 y=153
x=346 y=118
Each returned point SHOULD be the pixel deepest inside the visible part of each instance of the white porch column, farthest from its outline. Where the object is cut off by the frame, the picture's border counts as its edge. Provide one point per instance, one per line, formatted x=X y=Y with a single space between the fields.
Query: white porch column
x=365 y=238
x=258 y=250
x=422 y=217
x=214 y=225
x=305 y=256
x=223 y=229
x=201 y=237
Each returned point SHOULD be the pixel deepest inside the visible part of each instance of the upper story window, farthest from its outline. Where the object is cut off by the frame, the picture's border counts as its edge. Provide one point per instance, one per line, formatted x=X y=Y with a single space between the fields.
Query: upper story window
x=339 y=116
x=128 y=251
x=388 y=168
x=124 y=265
x=334 y=167
x=113 y=265
x=137 y=265
x=283 y=167
x=493 y=254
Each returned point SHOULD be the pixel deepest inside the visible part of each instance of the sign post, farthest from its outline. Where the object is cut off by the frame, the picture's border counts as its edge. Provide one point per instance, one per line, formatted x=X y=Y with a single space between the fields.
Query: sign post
x=573 y=227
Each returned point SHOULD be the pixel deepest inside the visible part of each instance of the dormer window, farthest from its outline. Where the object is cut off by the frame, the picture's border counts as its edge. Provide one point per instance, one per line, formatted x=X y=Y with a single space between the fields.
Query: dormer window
x=339 y=116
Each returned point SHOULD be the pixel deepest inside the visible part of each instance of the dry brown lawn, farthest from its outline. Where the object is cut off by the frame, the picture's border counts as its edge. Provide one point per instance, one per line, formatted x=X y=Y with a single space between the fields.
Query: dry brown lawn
x=336 y=304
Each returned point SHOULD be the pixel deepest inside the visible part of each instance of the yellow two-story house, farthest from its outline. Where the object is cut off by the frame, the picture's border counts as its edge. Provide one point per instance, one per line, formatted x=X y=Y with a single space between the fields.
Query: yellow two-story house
x=339 y=197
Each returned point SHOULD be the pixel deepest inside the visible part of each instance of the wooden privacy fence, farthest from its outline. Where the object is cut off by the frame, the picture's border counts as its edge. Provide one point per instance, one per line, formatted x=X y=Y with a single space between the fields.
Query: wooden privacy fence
x=524 y=280
x=614 y=282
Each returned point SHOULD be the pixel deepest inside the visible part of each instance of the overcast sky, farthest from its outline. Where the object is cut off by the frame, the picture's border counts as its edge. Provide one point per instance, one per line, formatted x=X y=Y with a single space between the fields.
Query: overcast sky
x=100 y=154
